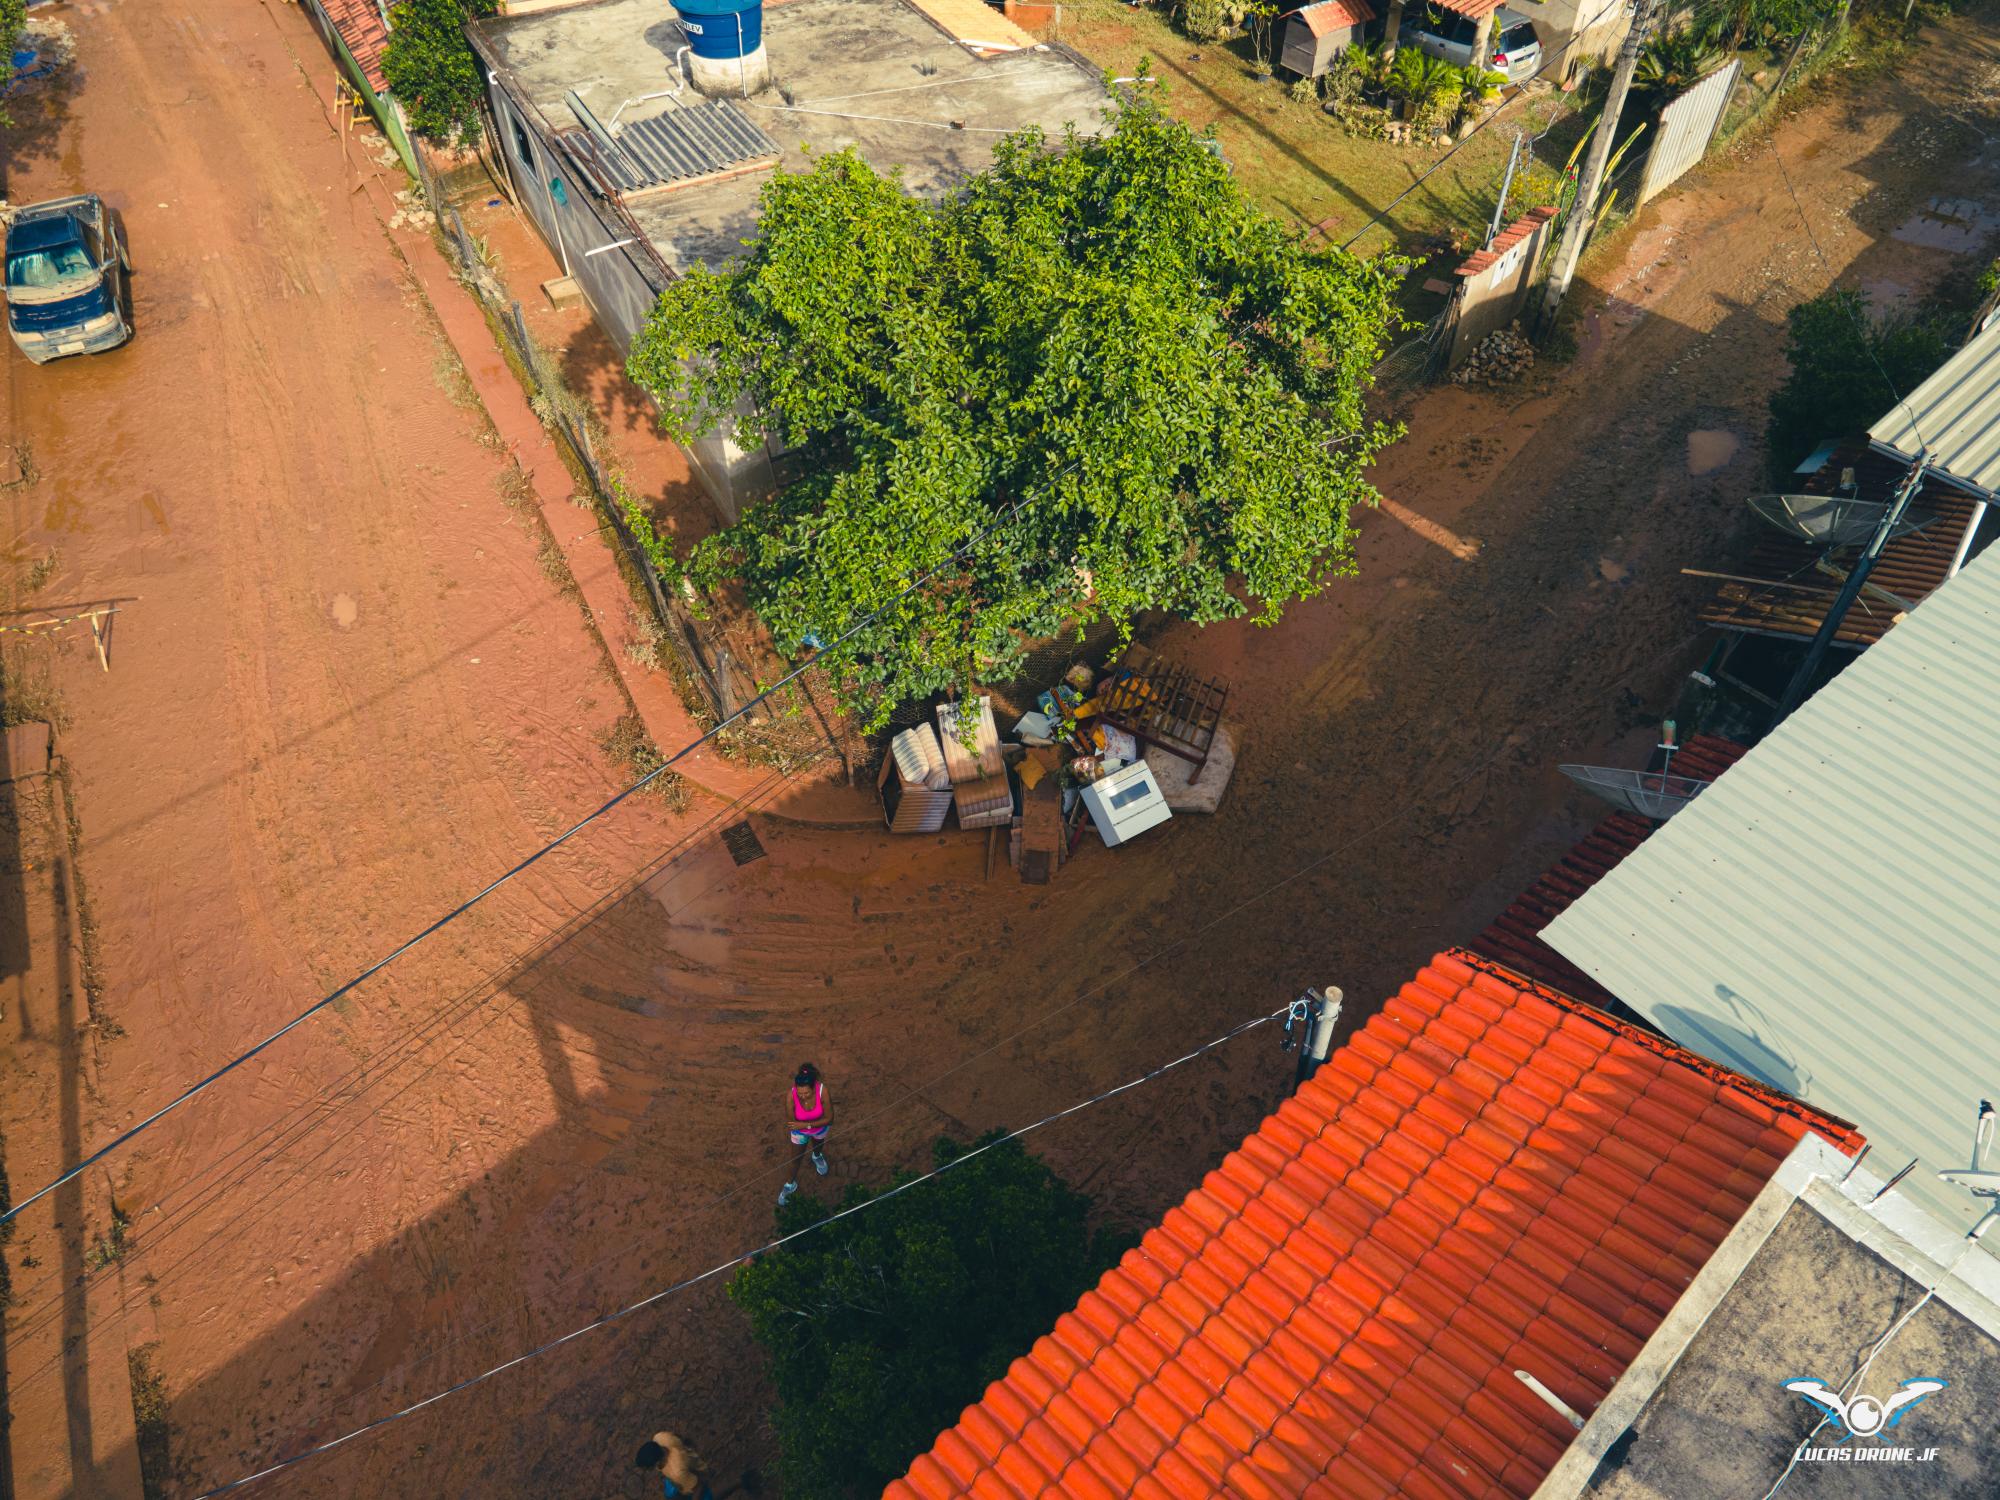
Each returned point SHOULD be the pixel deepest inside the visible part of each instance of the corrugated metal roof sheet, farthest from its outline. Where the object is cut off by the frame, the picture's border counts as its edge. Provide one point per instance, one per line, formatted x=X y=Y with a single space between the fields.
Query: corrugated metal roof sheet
x=1790 y=595
x=1483 y=1179
x=1823 y=915
x=1955 y=415
x=1336 y=15
x=678 y=146
x=1514 y=938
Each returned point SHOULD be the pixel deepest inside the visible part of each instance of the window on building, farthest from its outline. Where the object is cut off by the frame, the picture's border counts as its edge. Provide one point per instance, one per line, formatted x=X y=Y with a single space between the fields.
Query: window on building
x=521 y=148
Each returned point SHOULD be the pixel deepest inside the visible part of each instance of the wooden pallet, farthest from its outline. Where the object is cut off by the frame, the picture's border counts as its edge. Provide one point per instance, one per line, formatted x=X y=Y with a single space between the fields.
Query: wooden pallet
x=1163 y=704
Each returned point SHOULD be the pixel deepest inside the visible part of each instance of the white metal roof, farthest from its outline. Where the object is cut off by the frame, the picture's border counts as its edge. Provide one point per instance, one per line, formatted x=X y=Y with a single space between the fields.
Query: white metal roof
x=1826 y=916
x=1956 y=415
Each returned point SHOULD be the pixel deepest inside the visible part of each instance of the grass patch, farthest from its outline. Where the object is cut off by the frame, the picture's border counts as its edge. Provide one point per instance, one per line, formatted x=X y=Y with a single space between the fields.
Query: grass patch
x=627 y=744
x=108 y=1249
x=1294 y=160
x=40 y=572
x=150 y=1423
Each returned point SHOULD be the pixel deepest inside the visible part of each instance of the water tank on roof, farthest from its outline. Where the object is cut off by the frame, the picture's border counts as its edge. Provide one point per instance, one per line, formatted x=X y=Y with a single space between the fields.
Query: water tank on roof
x=726 y=45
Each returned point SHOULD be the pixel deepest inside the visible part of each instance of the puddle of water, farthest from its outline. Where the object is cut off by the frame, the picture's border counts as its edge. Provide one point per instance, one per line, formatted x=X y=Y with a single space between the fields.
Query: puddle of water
x=1956 y=225
x=345 y=611
x=1709 y=449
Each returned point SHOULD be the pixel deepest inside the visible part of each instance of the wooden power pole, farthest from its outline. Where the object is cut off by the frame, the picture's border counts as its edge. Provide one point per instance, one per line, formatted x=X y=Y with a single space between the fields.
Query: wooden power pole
x=1585 y=204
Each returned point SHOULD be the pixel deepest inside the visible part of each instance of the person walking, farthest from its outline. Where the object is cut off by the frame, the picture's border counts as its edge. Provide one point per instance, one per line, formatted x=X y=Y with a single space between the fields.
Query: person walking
x=806 y=1117
x=678 y=1466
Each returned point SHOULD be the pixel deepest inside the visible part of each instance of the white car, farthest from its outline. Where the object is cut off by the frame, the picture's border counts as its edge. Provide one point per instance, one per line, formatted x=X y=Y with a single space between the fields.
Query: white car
x=1517 y=50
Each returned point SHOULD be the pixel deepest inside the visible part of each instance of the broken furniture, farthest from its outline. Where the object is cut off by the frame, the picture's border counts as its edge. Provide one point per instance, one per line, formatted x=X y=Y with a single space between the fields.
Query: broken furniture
x=1163 y=704
x=915 y=787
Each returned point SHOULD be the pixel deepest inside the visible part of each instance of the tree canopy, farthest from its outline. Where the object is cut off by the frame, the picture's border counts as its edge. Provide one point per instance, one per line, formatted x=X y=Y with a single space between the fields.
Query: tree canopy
x=431 y=69
x=882 y=1327
x=1096 y=381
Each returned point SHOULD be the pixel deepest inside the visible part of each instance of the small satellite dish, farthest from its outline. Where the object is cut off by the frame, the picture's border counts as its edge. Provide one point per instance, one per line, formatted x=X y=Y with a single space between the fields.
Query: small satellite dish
x=1650 y=794
x=1832 y=520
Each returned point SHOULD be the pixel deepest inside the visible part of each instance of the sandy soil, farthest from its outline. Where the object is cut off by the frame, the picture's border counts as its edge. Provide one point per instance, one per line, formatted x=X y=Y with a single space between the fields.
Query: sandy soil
x=297 y=759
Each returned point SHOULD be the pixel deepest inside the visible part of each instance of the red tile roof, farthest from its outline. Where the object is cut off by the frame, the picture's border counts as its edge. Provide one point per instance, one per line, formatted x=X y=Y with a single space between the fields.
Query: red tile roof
x=1336 y=15
x=1486 y=1178
x=1515 y=938
x=360 y=25
x=1780 y=592
x=1505 y=240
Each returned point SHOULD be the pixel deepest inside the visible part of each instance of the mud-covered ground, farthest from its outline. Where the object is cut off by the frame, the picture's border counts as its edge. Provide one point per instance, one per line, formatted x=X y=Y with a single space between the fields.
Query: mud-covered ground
x=347 y=692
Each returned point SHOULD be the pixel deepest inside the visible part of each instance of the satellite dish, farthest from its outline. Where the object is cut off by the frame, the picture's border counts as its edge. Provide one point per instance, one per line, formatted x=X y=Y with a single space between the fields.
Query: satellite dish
x=1832 y=520
x=1650 y=794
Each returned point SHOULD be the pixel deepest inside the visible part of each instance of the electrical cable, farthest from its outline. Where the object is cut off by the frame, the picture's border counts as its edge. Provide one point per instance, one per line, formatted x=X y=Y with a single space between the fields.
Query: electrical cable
x=1521 y=93
x=734 y=1261
x=1860 y=327
x=279 y=1137
x=194 y=1089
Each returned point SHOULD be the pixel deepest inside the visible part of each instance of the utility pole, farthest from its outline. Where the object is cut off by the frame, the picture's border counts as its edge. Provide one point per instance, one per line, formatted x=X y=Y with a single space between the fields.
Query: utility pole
x=1849 y=591
x=1314 y=1014
x=1593 y=164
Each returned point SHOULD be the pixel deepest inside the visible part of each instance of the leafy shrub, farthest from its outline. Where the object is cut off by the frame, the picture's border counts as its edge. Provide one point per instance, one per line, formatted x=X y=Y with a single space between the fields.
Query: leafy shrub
x=431 y=69
x=1838 y=354
x=1202 y=20
x=881 y=1328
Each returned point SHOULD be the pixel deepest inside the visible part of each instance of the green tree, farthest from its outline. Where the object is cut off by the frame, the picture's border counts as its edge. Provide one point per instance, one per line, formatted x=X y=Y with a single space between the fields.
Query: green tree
x=431 y=68
x=1838 y=355
x=881 y=1328
x=1095 y=382
x=13 y=20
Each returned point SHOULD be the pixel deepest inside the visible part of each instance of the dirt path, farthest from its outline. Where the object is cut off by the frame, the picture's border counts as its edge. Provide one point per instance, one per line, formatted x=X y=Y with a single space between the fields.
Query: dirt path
x=297 y=757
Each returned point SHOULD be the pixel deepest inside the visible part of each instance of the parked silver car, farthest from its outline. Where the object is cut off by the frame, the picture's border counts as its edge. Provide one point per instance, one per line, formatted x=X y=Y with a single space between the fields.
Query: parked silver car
x=1517 y=50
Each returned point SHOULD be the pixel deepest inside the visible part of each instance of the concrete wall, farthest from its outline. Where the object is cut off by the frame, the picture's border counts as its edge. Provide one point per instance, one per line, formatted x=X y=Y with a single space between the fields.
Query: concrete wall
x=620 y=285
x=1494 y=284
x=1602 y=28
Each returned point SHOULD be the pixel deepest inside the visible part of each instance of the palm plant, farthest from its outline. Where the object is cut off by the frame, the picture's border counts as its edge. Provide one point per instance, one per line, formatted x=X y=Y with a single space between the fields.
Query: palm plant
x=1428 y=86
x=1671 y=65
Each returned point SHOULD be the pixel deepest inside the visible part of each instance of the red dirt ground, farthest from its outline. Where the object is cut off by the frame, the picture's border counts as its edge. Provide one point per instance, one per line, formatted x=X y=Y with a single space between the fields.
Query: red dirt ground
x=346 y=694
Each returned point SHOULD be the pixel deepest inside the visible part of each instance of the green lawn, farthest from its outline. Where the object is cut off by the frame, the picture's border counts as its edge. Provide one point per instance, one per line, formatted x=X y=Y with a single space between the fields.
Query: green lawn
x=1292 y=158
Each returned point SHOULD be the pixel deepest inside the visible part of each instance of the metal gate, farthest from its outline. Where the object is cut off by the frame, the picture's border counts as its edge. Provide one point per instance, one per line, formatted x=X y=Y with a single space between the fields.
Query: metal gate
x=1686 y=127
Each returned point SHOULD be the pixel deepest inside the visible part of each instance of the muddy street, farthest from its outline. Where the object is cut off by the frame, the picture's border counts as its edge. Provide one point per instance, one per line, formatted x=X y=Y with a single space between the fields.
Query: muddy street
x=349 y=684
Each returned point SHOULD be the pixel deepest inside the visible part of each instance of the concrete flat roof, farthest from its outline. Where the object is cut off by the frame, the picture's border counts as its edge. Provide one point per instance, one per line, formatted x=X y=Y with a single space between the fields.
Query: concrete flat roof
x=949 y=108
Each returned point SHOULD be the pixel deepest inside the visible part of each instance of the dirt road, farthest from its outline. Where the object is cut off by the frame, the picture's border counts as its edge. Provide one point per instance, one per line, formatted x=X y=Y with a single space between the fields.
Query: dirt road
x=345 y=692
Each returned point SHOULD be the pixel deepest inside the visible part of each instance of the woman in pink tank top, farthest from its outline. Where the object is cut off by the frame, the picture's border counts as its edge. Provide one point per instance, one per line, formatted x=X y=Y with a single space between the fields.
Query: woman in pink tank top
x=806 y=1116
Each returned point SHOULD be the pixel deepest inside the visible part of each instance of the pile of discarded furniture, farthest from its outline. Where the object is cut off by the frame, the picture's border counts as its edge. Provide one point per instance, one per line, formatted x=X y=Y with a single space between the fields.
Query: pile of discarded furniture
x=1116 y=754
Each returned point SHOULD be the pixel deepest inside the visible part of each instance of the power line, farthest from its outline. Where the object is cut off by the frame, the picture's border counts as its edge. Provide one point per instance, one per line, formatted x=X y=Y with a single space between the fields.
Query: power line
x=1861 y=328
x=1473 y=134
x=735 y=1260
x=466 y=905
x=1438 y=165
x=206 y=1187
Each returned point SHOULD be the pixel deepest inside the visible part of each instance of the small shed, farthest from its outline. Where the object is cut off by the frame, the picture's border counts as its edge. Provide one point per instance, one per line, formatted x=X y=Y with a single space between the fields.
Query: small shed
x=1316 y=34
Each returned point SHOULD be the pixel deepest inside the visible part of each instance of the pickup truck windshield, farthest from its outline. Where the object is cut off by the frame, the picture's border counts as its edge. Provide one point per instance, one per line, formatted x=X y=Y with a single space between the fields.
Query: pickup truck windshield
x=53 y=255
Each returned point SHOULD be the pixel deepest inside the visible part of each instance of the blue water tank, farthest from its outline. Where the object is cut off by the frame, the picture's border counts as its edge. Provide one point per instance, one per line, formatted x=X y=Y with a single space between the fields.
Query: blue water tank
x=722 y=29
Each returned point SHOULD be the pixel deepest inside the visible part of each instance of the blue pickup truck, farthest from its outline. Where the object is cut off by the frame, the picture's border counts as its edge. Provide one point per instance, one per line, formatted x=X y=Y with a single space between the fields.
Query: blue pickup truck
x=66 y=278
